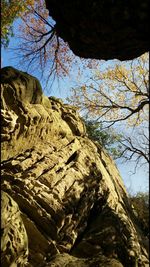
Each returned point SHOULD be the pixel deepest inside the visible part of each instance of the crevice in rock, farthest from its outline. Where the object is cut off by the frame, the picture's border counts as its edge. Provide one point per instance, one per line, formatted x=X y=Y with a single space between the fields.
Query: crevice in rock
x=73 y=194
x=72 y=157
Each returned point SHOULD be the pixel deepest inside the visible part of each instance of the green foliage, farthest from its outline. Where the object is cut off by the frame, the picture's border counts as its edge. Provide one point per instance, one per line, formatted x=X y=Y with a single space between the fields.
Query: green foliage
x=10 y=10
x=108 y=138
x=141 y=205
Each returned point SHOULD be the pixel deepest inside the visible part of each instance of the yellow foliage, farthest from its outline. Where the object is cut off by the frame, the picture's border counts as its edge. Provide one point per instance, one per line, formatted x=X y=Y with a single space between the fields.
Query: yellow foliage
x=10 y=10
x=120 y=92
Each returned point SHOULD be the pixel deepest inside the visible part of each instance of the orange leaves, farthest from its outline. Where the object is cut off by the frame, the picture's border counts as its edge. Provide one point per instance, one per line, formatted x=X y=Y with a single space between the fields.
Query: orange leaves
x=30 y=2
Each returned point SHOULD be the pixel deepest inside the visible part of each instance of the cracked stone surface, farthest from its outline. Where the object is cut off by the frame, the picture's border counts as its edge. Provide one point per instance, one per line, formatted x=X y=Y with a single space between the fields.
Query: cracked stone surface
x=72 y=200
x=14 y=240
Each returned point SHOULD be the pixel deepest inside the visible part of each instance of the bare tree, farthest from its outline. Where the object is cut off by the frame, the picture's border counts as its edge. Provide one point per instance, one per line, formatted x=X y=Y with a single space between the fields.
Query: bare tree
x=136 y=148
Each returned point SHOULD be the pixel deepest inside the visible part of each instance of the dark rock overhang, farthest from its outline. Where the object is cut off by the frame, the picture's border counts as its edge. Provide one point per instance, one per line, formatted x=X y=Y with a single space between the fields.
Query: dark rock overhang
x=104 y=29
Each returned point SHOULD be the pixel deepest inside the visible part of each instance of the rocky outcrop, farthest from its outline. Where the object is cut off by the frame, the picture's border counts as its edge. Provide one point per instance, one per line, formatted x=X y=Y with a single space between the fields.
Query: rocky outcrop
x=72 y=200
x=14 y=240
x=103 y=29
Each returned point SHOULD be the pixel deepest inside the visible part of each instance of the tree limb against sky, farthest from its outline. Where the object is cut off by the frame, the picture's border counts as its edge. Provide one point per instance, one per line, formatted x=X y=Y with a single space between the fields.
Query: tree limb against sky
x=120 y=94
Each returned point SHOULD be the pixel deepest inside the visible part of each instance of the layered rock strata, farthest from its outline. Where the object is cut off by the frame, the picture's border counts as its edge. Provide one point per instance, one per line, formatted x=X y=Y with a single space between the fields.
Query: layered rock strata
x=14 y=241
x=72 y=200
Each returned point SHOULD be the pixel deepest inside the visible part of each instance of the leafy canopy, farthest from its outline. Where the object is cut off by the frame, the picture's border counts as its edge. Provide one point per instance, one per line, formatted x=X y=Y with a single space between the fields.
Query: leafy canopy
x=11 y=10
x=38 y=43
x=120 y=94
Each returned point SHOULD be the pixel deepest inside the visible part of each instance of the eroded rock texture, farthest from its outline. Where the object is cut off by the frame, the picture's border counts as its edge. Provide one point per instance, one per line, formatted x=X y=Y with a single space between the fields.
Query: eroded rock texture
x=104 y=29
x=14 y=240
x=74 y=205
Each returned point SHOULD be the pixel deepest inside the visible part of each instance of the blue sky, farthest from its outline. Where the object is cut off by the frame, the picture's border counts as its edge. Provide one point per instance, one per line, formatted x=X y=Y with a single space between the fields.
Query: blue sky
x=133 y=183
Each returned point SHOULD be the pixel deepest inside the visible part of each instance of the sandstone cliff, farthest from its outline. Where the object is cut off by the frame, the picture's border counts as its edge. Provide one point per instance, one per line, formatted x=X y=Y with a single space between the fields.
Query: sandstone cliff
x=63 y=200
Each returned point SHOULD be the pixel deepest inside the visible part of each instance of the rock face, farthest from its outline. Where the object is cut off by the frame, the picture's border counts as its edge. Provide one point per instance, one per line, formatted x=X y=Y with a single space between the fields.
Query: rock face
x=103 y=29
x=72 y=200
x=14 y=240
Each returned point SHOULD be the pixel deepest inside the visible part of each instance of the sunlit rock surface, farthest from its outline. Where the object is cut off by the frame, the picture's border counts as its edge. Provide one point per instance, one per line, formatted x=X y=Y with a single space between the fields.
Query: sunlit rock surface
x=14 y=240
x=72 y=200
x=103 y=29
